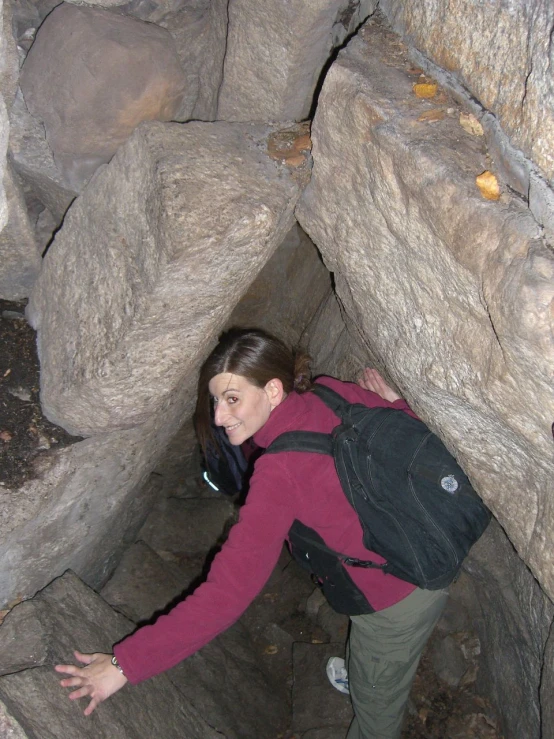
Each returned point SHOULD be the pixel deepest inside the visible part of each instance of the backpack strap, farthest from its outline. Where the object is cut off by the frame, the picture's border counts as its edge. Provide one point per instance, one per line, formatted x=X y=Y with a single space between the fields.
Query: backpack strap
x=313 y=441
x=332 y=400
x=302 y=441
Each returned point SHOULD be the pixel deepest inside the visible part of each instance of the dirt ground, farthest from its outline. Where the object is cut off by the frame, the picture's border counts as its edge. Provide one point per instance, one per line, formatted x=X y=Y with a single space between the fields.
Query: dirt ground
x=25 y=433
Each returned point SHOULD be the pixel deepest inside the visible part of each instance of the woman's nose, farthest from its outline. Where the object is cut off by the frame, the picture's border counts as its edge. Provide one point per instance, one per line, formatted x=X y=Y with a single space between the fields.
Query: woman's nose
x=219 y=414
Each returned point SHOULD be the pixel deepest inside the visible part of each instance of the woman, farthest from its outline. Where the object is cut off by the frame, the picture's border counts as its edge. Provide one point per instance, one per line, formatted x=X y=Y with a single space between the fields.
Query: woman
x=260 y=390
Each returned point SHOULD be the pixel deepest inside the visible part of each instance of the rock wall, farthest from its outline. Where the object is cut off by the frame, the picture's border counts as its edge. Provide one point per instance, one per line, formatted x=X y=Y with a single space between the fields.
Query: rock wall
x=4 y=126
x=503 y=57
x=274 y=59
x=451 y=291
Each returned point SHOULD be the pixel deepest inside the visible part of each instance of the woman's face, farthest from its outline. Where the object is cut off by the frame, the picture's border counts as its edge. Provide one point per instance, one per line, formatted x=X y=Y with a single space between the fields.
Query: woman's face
x=241 y=407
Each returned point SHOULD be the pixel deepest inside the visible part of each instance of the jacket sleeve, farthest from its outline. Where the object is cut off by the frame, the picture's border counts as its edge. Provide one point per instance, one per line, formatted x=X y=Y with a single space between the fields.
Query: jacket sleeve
x=238 y=573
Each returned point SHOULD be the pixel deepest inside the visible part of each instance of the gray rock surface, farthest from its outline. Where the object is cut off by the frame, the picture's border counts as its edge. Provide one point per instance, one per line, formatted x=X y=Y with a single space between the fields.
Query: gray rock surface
x=9 y=71
x=33 y=161
x=68 y=613
x=503 y=56
x=450 y=291
x=513 y=619
x=246 y=706
x=131 y=299
x=144 y=583
x=123 y=71
x=200 y=33
x=81 y=511
x=4 y=124
x=547 y=688
x=274 y=59
x=188 y=526
x=10 y=728
x=294 y=265
x=20 y=259
x=199 y=30
x=313 y=694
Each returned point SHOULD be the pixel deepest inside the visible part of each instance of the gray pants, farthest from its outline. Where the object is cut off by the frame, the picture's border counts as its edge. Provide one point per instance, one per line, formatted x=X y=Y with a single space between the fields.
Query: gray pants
x=382 y=657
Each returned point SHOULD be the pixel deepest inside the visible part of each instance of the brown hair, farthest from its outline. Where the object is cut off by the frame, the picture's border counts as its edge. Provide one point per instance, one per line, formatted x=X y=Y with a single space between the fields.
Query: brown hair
x=256 y=355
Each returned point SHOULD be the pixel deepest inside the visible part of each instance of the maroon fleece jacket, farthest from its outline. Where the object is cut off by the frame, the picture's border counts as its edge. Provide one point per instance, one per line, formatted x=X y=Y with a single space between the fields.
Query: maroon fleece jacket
x=284 y=487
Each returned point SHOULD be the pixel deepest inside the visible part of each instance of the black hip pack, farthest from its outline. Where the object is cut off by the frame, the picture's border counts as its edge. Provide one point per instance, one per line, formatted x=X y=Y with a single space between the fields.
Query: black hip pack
x=416 y=506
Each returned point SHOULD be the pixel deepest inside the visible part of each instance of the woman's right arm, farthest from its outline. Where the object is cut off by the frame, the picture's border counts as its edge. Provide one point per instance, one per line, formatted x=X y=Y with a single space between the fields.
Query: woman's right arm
x=238 y=573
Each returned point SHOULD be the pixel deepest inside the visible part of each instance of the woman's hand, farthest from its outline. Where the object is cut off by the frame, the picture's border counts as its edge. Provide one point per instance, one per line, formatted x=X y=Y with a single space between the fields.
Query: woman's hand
x=99 y=678
x=370 y=379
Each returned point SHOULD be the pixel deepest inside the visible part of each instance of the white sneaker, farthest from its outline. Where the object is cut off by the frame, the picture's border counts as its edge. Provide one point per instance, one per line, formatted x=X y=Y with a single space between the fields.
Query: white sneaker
x=338 y=674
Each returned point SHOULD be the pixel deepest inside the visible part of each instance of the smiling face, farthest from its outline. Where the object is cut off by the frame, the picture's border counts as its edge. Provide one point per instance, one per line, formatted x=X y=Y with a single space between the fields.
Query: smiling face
x=241 y=407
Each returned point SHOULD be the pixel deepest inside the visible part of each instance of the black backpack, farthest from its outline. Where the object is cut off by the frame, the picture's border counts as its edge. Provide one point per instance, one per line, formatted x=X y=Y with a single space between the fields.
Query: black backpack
x=417 y=508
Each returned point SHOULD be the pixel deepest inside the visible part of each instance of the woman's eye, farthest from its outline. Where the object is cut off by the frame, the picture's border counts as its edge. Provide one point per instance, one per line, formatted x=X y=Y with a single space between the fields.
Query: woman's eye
x=232 y=400
x=214 y=401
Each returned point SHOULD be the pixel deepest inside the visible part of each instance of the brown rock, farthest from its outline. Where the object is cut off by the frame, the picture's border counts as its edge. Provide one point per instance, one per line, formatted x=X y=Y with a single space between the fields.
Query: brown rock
x=122 y=71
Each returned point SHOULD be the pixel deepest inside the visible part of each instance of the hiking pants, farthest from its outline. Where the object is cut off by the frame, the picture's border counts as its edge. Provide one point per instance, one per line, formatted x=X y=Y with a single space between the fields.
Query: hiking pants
x=382 y=657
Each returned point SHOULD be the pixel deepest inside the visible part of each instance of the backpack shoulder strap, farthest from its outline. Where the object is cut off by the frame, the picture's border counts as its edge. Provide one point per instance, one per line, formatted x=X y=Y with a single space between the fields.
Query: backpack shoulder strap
x=302 y=441
x=332 y=400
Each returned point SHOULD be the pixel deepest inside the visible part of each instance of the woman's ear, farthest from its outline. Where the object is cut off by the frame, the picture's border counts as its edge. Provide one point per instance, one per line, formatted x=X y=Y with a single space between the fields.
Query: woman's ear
x=275 y=392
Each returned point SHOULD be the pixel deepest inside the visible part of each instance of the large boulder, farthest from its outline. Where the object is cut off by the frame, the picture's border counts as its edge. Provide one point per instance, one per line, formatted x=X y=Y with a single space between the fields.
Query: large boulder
x=451 y=291
x=274 y=60
x=122 y=72
x=149 y=263
x=503 y=56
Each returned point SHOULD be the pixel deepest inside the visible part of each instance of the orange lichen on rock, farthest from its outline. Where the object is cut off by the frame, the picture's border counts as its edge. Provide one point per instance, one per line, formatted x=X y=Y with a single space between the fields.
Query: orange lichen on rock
x=291 y=145
x=488 y=185
x=425 y=89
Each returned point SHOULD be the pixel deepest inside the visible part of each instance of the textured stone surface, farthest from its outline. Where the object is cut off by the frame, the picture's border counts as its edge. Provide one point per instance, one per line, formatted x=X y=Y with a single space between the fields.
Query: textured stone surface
x=69 y=615
x=122 y=72
x=20 y=259
x=33 y=161
x=513 y=619
x=274 y=59
x=246 y=706
x=190 y=526
x=131 y=299
x=547 y=689
x=4 y=123
x=10 y=728
x=452 y=293
x=503 y=56
x=313 y=695
x=200 y=34
x=9 y=71
x=143 y=583
x=295 y=265
x=81 y=511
